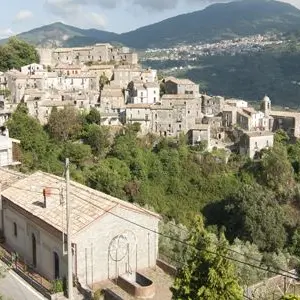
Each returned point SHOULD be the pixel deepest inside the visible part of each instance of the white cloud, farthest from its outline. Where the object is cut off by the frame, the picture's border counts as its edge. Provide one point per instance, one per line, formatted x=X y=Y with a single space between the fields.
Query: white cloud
x=75 y=11
x=97 y=20
x=6 y=32
x=157 y=5
x=23 y=15
x=62 y=8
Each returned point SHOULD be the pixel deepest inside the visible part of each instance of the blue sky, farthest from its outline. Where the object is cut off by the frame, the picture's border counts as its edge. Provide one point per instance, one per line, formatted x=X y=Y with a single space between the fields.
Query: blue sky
x=113 y=15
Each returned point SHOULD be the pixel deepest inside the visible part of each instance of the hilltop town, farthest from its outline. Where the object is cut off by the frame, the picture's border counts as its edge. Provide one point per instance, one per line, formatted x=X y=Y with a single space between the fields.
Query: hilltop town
x=111 y=80
x=147 y=155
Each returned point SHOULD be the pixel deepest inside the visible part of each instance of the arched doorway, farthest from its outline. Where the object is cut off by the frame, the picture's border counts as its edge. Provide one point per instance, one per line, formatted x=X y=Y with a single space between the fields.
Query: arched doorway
x=56 y=265
x=33 y=241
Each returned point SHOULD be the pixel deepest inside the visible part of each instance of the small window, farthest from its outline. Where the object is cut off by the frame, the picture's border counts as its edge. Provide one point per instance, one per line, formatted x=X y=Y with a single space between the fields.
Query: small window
x=189 y=112
x=15 y=229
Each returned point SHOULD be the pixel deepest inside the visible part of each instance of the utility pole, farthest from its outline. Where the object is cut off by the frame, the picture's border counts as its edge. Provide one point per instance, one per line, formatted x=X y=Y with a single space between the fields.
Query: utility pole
x=69 y=233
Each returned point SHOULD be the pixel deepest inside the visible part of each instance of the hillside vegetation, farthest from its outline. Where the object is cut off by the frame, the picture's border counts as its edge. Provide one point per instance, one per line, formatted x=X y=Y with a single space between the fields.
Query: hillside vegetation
x=178 y=181
x=245 y=76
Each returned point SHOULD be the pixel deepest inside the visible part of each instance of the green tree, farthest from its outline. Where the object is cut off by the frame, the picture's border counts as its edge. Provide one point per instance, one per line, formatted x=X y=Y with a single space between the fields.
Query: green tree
x=17 y=53
x=247 y=275
x=277 y=172
x=110 y=176
x=252 y=213
x=98 y=137
x=207 y=274
x=77 y=153
x=64 y=124
x=93 y=117
x=34 y=140
x=103 y=81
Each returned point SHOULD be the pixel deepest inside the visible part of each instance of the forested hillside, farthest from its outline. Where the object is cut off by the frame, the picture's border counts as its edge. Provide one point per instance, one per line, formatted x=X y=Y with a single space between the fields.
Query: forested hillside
x=255 y=203
x=245 y=76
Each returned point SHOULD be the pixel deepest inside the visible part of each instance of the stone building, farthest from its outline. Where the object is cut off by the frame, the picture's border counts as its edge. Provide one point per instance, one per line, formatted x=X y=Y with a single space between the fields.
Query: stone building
x=212 y=106
x=16 y=84
x=251 y=143
x=172 y=115
x=67 y=69
x=180 y=86
x=105 y=241
x=101 y=53
x=140 y=113
x=200 y=135
x=111 y=99
x=125 y=74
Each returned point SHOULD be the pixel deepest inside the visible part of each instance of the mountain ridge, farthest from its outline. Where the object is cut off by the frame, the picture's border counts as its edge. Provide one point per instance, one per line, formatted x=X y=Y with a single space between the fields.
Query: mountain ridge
x=215 y=22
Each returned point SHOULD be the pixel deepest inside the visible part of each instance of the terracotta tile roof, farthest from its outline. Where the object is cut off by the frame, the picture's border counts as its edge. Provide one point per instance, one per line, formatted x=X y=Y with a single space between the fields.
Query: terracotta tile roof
x=87 y=204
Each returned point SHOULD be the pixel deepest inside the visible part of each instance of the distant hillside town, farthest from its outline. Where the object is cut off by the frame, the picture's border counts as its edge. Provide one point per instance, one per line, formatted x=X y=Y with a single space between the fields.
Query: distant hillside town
x=111 y=80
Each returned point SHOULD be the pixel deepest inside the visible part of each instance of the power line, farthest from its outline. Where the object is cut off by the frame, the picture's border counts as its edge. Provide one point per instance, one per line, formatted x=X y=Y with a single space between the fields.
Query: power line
x=186 y=231
x=187 y=244
x=166 y=236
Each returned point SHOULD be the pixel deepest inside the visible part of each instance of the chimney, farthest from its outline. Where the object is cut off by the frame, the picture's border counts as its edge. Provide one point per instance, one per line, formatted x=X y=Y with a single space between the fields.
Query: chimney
x=46 y=193
x=45 y=198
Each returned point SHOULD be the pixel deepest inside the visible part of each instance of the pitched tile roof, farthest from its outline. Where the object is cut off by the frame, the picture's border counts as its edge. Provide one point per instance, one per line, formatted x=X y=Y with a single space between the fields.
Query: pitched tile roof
x=87 y=204
x=8 y=177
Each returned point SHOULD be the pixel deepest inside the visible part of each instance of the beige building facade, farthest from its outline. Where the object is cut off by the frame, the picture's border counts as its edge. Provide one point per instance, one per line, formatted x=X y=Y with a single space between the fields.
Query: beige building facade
x=105 y=241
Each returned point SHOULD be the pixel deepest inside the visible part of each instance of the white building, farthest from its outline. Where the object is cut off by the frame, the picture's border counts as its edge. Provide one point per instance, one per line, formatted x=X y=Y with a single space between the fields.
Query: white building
x=142 y=93
x=250 y=119
x=32 y=69
x=110 y=237
x=251 y=143
x=236 y=103
x=7 y=157
x=139 y=113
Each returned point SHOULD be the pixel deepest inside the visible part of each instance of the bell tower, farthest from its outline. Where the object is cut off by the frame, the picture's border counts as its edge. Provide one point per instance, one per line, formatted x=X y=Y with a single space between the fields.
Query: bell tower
x=266 y=106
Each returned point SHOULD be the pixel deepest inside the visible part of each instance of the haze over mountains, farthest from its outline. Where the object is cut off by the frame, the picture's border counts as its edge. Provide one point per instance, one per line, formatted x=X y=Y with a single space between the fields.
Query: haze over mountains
x=216 y=22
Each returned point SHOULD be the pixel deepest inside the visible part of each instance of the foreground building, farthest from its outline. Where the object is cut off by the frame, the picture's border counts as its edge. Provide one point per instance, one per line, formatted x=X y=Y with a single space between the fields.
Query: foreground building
x=110 y=237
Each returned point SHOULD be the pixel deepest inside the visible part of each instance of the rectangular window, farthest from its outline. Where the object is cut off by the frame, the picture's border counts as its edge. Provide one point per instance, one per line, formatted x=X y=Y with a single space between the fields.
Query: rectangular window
x=15 y=229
